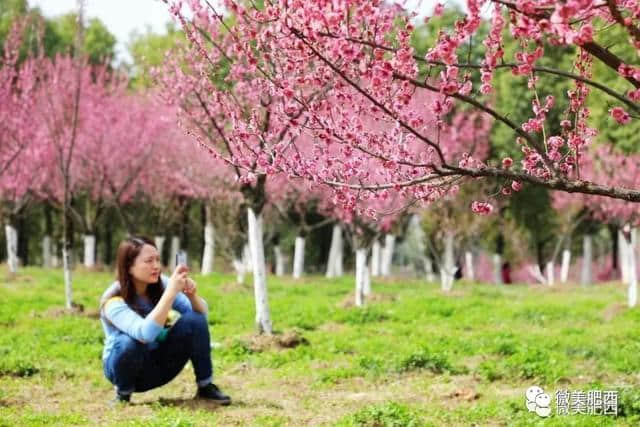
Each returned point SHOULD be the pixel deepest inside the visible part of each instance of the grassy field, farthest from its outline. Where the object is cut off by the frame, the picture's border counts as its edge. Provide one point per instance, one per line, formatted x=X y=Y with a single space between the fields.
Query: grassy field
x=413 y=356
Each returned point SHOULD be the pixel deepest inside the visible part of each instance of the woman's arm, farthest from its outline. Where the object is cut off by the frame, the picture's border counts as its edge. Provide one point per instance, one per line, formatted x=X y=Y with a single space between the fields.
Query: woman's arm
x=197 y=303
x=176 y=284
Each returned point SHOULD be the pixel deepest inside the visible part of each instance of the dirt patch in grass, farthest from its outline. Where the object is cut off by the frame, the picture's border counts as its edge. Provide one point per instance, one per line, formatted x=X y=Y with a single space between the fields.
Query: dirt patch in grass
x=612 y=311
x=56 y=312
x=233 y=287
x=289 y=339
x=332 y=327
x=75 y=310
x=464 y=393
x=350 y=300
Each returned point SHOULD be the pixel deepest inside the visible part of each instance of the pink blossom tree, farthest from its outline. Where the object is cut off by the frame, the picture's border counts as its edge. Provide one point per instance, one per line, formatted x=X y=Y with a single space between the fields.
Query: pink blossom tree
x=300 y=55
x=18 y=81
x=17 y=84
x=624 y=215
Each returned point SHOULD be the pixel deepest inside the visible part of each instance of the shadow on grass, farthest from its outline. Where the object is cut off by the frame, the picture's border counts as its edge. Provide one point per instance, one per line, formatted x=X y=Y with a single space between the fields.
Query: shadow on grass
x=191 y=403
x=188 y=403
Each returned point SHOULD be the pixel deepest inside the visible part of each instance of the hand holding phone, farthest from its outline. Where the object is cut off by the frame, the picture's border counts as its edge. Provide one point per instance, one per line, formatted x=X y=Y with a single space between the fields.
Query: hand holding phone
x=181 y=258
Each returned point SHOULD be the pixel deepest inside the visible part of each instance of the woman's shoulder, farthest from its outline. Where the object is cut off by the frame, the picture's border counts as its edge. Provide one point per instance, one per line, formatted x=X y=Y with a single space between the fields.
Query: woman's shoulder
x=112 y=291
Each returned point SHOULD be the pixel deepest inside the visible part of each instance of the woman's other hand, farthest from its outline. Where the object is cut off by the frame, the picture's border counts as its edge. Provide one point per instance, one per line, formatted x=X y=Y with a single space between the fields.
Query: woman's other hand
x=190 y=288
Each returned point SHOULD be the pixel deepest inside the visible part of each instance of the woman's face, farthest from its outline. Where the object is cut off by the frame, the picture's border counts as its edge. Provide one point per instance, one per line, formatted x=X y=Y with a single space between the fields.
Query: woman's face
x=146 y=267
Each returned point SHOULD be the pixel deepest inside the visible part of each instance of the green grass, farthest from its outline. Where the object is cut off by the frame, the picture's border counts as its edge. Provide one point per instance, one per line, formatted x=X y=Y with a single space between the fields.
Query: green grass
x=413 y=357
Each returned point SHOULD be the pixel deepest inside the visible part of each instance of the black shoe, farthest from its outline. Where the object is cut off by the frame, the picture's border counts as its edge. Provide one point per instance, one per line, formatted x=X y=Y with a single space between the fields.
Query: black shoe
x=120 y=399
x=213 y=393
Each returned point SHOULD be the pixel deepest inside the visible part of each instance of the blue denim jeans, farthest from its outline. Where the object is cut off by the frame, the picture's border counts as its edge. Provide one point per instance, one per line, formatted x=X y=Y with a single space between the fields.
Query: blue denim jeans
x=133 y=366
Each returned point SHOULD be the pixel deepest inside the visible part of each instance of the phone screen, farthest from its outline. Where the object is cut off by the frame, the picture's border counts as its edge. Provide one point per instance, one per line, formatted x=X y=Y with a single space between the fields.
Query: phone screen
x=181 y=258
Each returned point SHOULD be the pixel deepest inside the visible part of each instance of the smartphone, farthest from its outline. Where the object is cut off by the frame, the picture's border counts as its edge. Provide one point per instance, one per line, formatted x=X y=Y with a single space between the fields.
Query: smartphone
x=181 y=258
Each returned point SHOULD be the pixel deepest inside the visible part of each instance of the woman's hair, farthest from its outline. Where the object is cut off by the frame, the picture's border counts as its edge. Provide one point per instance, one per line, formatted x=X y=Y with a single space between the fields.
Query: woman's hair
x=128 y=251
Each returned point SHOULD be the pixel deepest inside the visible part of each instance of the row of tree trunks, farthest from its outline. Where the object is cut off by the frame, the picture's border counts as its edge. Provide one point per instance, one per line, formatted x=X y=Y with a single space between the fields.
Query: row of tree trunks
x=335 y=262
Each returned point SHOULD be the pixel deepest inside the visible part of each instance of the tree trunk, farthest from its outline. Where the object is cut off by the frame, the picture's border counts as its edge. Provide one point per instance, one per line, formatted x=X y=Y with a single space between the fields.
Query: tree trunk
x=375 y=258
x=339 y=261
x=208 y=254
x=428 y=267
x=55 y=259
x=566 y=263
x=67 y=258
x=468 y=259
x=89 y=250
x=587 y=255
x=497 y=269
x=387 y=254
x=12 y=247
x=334 y=264
x=108 y=239
x=366 y=286
x=66 y=265
x=175 y=247
x=613 y=232
x=263 y=318
x=624 y=257
x=361 y=265
x=159 y=242
x=631 y=269
x=47 y=261
x=298 y=258
x=238 y=266
x=46 y=251
x=23 y=241
x=448 y=268
x=549 y=270
x=279 y=260
x=246 y=258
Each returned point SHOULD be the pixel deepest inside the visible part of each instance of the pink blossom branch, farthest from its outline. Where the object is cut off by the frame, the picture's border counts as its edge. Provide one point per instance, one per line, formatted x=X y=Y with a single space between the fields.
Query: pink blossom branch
x=374 y=101
x=546 y=70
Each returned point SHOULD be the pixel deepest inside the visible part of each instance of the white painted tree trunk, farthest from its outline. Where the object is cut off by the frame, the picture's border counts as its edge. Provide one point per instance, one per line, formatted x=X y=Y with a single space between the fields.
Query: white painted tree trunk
x=55 y=259
x=448 y=268
x=339 y=261
x=238 y=266
x=375 y=258
x=361 y=266
x=159 y=242
x=334 y=264
x=428 y=267
x=536 y=273
x=46 y=252
x=279 y=261
x=11 y=235
x=263 y=317
x=298 y=258
x=387 y=254
x=208 y=255
x=623 y=257
x=549 y=270
x=587 y=255
x=497 y=269
x=566 y=263
x=66 y=265
x=175 y=247
x=89 y=250
x=631 y=270
x=366 y=288
x=246 y=258
x=468 y=259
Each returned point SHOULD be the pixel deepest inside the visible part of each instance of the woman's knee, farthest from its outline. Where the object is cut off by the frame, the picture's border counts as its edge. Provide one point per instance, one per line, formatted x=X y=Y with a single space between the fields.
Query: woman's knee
x=195 y=319
x=128 y=350
x=126 y=344
x=126 y=357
